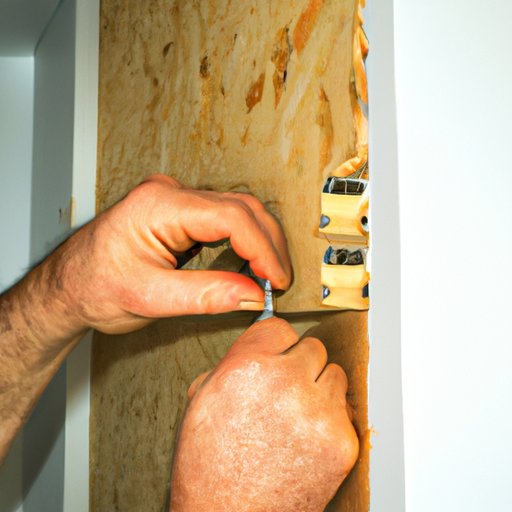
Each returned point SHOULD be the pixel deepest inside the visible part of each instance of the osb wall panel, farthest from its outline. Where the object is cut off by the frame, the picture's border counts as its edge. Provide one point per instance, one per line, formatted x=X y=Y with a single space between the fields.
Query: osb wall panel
x=231 y=95
x=248 y=96
x=139 y=386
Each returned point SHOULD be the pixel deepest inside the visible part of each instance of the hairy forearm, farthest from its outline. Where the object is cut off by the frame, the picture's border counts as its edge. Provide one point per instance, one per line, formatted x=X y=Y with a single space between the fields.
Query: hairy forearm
x=37 y=332
x=118 y=273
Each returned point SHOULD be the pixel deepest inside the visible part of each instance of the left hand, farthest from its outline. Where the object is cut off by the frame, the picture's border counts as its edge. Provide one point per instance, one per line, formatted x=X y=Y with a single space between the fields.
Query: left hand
x=119 y=271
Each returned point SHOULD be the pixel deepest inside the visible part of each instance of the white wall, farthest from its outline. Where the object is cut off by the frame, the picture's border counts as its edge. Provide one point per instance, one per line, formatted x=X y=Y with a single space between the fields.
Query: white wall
x=76 y=465
x=43 y=439
x=21 y=25
x=16 y=107
x=387 y=492
x=453 y=78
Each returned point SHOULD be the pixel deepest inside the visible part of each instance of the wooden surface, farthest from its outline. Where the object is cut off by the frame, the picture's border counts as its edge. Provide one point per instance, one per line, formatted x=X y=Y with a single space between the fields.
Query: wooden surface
x=248 y=96
x=139 y=385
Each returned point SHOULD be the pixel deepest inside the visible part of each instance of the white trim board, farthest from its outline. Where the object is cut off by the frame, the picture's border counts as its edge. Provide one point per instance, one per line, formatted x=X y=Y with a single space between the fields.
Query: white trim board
x=76 y=472
x=387 y=474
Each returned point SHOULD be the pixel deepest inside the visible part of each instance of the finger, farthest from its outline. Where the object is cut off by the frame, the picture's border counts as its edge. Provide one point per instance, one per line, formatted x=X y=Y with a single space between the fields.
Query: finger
x=267 y=220
x=251 y=239
x=205 y=216
x=198 y=381
x=190 y=292
x=311 y=355
x=334 y=380
x=178 y=218
x=271 y=336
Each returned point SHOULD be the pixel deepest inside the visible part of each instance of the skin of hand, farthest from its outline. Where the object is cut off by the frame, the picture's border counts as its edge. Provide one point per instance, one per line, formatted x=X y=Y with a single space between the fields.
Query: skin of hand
x=118 y=273
x=121 y=268
x=268 y=430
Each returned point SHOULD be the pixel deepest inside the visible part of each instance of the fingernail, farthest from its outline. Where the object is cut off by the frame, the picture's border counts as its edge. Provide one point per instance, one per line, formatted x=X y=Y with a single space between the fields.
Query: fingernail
x=251 y=305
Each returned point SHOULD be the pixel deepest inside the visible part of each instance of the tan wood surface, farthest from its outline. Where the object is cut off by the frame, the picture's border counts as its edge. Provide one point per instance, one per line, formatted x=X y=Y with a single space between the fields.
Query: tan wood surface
x=249 y=96
x=192 y=89
x=139 y=385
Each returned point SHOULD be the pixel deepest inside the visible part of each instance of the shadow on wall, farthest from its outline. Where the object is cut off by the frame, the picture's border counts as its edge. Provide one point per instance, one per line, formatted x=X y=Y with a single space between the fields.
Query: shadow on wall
x=10 y=493
x=43 y=448
x=39 y=445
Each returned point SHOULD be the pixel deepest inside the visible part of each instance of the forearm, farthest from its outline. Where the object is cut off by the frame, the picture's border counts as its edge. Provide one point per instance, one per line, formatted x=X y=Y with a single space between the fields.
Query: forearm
x=37 y=332
x=118 y=273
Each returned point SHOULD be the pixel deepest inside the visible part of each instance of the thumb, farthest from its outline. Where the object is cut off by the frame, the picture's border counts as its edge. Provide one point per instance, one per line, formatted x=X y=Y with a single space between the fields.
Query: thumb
x=192 y=292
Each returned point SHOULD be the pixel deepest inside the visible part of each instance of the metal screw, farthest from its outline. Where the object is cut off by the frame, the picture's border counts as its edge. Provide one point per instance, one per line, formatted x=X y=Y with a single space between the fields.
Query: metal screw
x=324 y=220
x=364 y=223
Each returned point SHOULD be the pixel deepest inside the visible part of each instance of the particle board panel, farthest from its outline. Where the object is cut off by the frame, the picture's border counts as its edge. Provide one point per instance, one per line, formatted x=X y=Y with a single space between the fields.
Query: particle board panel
x=139 y=385
x=250 y=96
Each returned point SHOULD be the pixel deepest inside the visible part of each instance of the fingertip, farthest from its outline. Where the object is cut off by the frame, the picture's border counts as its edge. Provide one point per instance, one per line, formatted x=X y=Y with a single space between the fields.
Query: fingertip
x=286 y=262
x=284 y=279
x=280 y=281
x=287 y=279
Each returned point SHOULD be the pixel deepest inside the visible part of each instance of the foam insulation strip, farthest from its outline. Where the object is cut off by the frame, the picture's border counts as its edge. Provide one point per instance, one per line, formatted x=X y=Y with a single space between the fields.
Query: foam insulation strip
x=346 y=284
x=344 y=217
x=345 y=213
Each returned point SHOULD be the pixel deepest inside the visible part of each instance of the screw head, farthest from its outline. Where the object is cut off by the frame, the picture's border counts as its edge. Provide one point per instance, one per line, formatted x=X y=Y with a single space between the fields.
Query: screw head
x=364 y=223
x=324 y=221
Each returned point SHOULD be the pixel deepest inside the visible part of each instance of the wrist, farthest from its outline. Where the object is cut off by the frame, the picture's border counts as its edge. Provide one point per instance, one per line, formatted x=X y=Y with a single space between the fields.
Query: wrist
x=43 y=306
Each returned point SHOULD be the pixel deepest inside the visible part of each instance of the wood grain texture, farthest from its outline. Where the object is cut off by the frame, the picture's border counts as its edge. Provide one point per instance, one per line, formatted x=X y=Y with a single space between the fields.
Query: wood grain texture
x=248 y=96
x=215 y=93
x=139 y=385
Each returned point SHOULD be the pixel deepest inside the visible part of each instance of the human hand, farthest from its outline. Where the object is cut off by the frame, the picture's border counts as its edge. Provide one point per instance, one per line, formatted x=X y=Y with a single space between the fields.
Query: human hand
x=268 y=430
x=120 y=270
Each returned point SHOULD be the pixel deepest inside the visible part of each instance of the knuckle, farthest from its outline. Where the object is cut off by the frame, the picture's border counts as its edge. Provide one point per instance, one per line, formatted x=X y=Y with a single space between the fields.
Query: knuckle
x=273 y=328
x=248 y=200
x=208 y=302
x=254 y=203
x=239 y=209
x=156 y=184
x=164 y=180
x=146 y=188
x=154 y=187
x=339 y=374
x=315 y=345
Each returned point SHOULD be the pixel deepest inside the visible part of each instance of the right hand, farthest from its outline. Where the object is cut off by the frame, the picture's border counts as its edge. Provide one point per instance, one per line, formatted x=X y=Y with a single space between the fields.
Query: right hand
x=268 y=430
